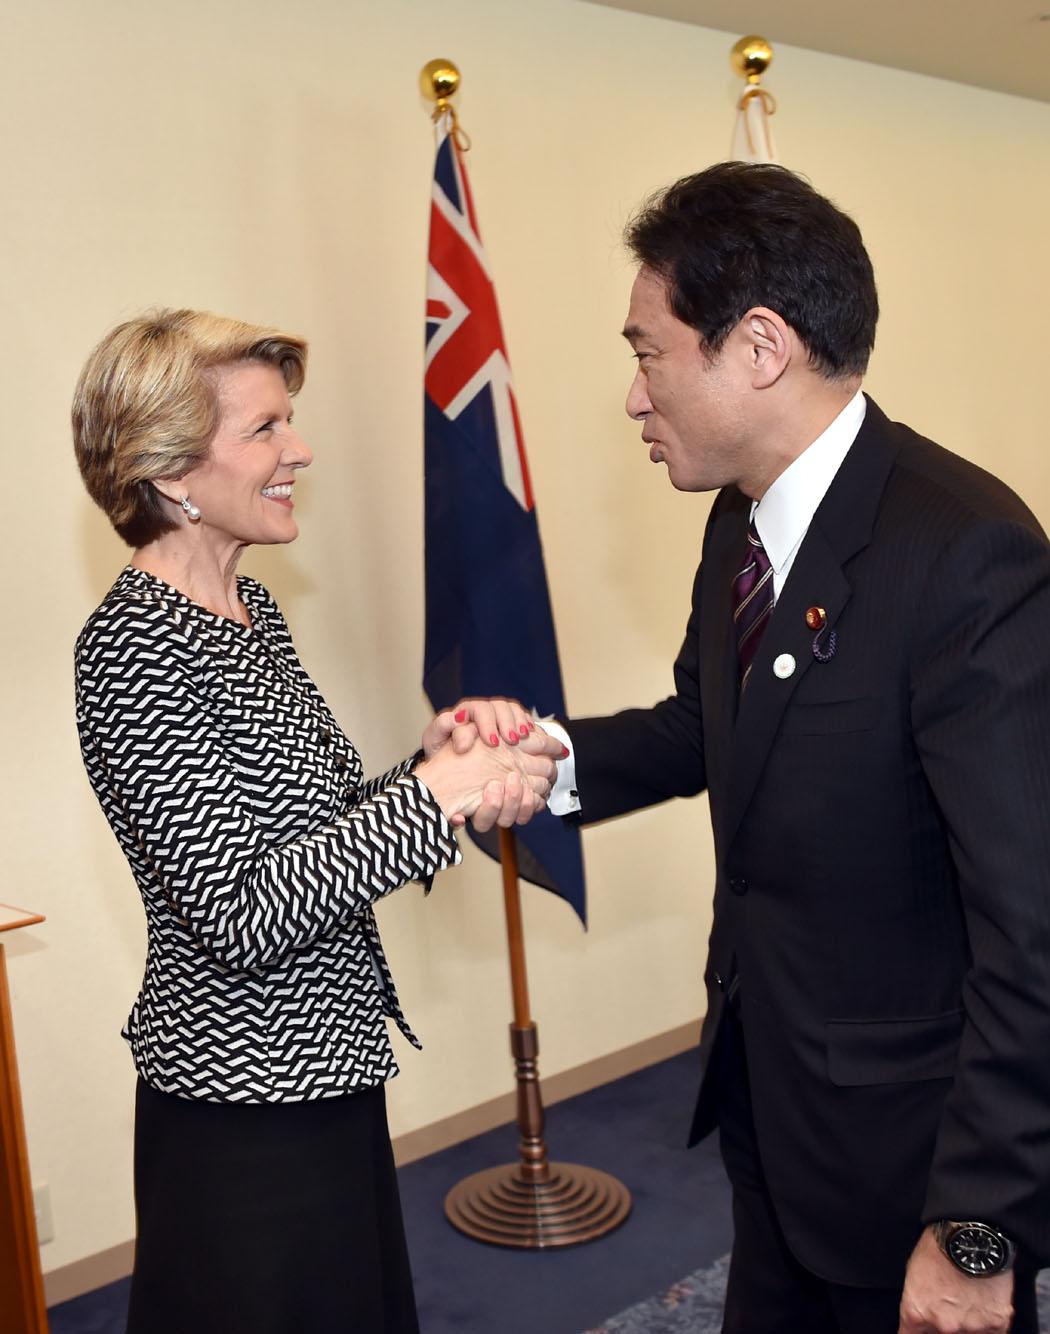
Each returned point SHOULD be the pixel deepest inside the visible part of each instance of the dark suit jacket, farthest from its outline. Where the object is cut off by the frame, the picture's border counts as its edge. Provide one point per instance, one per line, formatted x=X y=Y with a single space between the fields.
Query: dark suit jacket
x=882 y=836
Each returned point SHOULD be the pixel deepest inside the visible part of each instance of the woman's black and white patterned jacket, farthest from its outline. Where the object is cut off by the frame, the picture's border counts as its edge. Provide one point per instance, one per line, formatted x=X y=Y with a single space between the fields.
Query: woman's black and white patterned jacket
x=256 y=845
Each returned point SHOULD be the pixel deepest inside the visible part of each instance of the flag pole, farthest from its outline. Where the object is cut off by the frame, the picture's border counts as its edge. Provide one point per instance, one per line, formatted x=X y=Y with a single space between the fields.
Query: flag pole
x=524 y=1037
x=532 y=1204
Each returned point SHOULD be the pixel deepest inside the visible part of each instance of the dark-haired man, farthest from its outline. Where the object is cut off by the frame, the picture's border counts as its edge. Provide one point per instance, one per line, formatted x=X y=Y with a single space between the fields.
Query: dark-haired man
x=864 y=690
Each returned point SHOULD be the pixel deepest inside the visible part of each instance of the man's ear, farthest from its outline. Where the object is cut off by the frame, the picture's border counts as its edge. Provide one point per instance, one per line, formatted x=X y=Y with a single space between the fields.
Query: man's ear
x=769 y=345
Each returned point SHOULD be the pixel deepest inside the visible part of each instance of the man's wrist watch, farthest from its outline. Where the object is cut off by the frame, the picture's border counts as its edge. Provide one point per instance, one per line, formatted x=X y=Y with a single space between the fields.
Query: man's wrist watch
x=977 y=1249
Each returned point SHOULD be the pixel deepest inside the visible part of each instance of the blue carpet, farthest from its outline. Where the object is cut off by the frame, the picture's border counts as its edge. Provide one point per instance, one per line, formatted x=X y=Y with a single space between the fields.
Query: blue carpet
x=694 y=1306
x=663 y=1272
x=100 y=1312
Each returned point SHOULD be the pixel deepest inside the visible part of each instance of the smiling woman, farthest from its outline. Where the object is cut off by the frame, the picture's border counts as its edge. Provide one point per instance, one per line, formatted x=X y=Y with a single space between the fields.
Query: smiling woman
x=182 y=424
x=264 y=1183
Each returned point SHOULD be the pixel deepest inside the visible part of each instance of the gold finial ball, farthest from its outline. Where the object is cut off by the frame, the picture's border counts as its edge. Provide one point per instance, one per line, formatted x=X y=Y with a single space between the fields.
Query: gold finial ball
x=438 y=80
x=751 y=57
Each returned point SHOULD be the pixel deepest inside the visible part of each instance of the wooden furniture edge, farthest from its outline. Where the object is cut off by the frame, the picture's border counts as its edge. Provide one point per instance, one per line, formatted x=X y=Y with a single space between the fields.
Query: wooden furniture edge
x=23 y=1289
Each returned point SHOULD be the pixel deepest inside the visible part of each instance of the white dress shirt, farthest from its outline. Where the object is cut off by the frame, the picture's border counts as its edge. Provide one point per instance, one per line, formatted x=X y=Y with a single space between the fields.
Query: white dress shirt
x=782 y=518
x=784 y=513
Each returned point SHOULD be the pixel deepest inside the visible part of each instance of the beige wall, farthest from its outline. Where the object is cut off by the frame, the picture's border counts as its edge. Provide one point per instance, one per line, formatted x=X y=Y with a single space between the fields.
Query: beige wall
x=272 y=161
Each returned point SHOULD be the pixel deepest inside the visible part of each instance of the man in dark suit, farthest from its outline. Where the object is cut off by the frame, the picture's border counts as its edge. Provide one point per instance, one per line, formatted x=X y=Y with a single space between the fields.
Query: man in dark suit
x=864 y=691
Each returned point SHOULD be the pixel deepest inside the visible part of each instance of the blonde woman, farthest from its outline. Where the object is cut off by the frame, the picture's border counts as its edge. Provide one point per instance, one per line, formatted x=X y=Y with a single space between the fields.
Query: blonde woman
x=265 y=1189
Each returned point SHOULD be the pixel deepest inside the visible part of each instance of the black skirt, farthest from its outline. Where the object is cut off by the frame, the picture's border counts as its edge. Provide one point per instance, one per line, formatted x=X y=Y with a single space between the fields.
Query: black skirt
x=267 y=1218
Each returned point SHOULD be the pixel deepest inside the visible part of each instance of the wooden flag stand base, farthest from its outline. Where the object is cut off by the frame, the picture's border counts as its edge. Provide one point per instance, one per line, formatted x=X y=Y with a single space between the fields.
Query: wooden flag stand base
x=533 y=1204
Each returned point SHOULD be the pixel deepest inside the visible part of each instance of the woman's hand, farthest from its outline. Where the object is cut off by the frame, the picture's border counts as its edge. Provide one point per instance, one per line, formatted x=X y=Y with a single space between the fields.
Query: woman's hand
x=505 y=804
x=494 y=720
x=489 y=784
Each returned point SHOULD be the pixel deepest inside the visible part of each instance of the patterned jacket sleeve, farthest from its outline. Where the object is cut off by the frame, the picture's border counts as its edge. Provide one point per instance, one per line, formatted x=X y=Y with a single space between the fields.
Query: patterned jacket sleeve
x=373 y=786
x=153 y=746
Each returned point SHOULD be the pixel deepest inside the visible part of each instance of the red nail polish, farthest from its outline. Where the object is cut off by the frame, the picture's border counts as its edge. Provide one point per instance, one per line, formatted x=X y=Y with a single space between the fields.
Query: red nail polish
x=523 y=730
x=565 y=752
x=493 y=739
x=461 y=716
x=512 y=740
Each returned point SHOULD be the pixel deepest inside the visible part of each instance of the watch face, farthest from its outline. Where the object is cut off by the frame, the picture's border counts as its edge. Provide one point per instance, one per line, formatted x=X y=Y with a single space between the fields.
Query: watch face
x=977 y=1250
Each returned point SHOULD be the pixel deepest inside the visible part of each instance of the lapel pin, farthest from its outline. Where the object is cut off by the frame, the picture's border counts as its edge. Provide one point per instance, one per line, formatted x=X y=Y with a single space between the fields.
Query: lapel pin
x=816 y=618
x=783 y=666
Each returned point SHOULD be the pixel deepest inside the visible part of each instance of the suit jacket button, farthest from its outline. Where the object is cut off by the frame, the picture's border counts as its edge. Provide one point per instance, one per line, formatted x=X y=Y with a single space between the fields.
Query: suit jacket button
x=739 y=885
x=716 y=978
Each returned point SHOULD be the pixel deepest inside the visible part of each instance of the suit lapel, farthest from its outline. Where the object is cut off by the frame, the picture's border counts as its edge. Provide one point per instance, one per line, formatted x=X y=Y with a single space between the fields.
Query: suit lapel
x=841 y=527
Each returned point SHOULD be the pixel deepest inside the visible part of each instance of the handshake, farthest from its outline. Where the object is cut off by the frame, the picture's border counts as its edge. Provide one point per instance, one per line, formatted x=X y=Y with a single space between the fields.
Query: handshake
x=487 y=761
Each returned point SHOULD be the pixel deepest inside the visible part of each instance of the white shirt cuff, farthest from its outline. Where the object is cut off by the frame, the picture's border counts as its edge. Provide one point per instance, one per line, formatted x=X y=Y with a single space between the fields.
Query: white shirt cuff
x=564 y=799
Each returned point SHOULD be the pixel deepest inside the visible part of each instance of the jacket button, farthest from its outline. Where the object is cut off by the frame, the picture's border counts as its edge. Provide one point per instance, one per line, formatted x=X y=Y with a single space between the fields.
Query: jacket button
x=716 y=978
x=739 y=885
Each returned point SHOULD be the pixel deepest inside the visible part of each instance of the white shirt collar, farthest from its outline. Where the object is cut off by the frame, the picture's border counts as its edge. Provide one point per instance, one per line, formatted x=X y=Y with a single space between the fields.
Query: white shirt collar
x=784 y=513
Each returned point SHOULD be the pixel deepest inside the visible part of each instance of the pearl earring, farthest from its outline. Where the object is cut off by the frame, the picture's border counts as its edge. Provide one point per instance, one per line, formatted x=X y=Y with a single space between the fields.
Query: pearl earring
x=192 y=512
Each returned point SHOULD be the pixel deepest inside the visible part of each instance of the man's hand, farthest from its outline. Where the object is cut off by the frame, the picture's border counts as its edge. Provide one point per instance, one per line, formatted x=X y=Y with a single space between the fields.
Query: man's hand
x=501 y=784
x=938 y=1299
x=509 y=804
x=515 y=796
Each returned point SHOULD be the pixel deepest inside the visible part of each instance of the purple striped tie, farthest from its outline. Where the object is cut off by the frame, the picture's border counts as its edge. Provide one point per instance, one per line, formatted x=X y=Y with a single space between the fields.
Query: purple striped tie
x=752 y=601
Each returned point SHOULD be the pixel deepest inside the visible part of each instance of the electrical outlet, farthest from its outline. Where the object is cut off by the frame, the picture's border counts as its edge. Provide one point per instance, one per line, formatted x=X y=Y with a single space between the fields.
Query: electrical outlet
x=45 y=1224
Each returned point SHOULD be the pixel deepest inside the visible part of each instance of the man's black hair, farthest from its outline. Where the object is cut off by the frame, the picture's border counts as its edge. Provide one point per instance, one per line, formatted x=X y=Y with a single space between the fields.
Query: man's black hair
x=740 y=235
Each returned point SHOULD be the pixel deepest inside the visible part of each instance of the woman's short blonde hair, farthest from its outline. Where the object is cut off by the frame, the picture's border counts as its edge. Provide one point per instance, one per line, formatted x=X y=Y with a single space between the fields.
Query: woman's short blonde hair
x=146 y=406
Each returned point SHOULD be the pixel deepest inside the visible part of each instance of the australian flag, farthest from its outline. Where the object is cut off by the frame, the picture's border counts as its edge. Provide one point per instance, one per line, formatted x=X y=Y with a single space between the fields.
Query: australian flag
x=489 y=628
